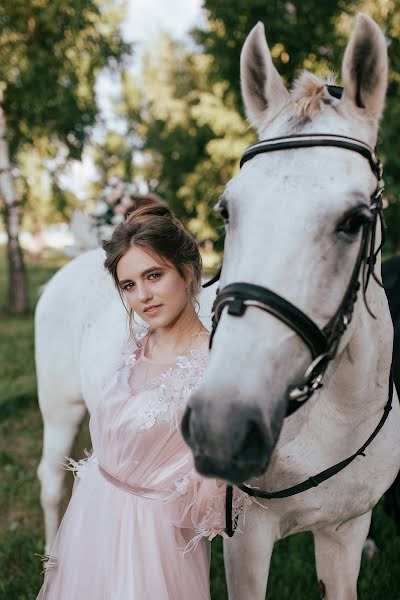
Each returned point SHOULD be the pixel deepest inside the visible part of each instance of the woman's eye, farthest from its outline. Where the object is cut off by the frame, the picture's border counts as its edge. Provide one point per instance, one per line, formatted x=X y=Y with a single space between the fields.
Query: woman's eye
x=127 y=287
x=352 y=224
x=154 y=275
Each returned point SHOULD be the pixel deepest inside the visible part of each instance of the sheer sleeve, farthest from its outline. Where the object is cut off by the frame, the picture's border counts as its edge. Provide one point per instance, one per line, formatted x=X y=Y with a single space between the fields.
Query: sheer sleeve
x=199 y=504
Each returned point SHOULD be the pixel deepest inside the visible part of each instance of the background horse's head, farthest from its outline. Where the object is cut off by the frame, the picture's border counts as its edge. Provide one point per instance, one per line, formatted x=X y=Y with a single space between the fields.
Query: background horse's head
x=294 y=221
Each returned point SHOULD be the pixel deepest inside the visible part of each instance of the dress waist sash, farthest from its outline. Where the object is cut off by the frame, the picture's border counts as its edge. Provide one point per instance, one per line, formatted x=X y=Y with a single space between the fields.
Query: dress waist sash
x=136 y=490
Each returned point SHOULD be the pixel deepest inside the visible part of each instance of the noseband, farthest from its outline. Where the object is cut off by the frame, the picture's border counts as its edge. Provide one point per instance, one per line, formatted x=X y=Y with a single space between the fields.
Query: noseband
x=322 y=343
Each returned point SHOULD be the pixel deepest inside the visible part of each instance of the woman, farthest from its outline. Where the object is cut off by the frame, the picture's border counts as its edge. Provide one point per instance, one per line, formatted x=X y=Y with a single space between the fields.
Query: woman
x=140 y=518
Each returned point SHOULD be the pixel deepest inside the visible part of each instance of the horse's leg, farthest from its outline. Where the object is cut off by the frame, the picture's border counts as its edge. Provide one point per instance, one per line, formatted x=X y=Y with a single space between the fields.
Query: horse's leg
x=338 y=555
x=247 y=557
x=60 y=429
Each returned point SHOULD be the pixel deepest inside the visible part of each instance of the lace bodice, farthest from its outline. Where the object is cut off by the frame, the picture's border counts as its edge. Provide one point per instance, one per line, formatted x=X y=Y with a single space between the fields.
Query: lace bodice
x=136 y=422
x=171 y=381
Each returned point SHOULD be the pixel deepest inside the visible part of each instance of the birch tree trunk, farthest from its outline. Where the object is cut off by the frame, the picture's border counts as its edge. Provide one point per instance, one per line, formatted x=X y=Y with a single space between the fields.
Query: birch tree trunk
x=17 y=297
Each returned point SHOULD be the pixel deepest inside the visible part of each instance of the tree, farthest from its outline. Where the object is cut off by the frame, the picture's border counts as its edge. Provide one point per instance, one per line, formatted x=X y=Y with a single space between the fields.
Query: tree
x=184 y=125
x=50 y=56
x=17 y=295
x=188 y=132
x=300 y=33
x=41 y=199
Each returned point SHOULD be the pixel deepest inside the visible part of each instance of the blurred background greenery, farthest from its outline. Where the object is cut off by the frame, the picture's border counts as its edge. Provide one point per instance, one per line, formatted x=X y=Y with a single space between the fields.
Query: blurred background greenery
x=175 y=126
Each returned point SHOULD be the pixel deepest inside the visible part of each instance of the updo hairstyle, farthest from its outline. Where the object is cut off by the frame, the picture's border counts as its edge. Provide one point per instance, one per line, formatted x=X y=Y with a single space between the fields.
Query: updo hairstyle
x=151 y=225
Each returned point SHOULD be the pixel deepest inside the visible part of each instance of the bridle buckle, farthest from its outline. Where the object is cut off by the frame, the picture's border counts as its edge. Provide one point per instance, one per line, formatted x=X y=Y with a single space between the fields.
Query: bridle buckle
x=312 y=379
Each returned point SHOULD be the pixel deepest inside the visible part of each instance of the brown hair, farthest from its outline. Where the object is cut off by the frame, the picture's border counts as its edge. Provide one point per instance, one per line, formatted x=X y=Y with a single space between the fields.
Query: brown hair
x=152 y=226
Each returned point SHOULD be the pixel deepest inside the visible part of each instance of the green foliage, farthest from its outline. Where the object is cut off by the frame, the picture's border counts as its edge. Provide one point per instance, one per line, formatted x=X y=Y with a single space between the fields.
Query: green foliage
x=188 y=132
x=50 y=56
x=300 y=33
x=41 y=198
x=113 y=158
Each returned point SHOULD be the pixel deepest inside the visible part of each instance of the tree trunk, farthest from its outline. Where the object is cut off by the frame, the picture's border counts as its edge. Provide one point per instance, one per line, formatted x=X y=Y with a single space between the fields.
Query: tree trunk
x=17 y=299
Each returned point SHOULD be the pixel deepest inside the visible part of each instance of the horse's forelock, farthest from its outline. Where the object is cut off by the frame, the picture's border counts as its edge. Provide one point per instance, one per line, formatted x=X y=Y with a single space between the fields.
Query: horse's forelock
x=310 y=95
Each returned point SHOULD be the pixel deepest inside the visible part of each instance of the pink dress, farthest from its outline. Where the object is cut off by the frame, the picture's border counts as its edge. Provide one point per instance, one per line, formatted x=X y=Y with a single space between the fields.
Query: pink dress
x=140 y=518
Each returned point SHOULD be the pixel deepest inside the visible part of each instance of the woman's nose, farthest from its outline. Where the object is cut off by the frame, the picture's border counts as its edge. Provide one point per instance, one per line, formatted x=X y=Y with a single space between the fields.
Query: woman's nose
x=144 y=293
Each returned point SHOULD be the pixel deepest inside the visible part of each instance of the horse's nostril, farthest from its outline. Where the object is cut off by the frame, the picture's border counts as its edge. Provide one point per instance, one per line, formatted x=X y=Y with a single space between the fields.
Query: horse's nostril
x=252 y=444
x=185 y=425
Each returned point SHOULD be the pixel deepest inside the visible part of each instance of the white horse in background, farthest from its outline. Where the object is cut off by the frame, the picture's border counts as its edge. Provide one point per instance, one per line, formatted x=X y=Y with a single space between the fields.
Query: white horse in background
x=81 y=327
x=287 y=231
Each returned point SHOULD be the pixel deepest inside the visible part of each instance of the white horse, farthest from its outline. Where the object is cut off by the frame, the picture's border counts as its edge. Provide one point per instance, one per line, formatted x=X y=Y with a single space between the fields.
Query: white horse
x=80 y=330
x=287 y=231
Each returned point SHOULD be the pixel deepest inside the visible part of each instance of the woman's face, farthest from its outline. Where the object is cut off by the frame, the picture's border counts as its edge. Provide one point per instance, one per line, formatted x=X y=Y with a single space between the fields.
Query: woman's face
x=146 y=283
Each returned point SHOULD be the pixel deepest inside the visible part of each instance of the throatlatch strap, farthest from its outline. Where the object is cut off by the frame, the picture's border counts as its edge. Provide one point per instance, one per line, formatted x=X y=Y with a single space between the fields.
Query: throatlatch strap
x=328 y=473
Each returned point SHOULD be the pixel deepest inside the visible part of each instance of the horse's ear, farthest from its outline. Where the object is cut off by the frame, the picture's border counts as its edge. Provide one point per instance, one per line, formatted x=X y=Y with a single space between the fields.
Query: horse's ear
x=365 y=69
x=263 y=91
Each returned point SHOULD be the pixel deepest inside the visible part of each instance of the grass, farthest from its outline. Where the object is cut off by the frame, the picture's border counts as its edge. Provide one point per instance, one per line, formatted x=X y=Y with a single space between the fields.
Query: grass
x=292 y=574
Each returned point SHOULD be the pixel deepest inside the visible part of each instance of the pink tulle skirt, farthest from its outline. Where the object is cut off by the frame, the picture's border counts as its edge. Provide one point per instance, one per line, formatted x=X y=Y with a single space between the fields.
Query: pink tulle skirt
x=113 y=545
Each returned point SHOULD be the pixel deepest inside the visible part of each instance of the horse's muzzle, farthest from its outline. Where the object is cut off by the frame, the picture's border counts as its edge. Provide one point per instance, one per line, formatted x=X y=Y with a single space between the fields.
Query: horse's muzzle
x=241 y=448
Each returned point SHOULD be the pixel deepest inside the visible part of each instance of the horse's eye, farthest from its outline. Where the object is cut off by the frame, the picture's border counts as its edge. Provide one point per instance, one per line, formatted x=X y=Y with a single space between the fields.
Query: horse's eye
x=222 y=208
x=352 y=222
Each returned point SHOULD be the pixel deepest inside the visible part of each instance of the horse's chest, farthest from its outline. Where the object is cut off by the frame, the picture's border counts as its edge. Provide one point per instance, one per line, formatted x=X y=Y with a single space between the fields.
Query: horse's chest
x=353 y=491
x=326 y=505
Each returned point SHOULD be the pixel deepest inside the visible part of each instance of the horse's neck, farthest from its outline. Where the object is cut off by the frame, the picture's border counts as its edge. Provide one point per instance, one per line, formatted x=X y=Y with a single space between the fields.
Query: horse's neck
x=358 y=378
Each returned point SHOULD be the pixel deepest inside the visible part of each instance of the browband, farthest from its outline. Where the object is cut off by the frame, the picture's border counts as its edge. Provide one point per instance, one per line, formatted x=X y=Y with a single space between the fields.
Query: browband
x=303 y=140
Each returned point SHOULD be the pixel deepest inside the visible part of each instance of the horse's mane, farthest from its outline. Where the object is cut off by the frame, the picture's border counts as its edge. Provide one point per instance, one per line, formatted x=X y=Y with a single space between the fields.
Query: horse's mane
x=309 y=95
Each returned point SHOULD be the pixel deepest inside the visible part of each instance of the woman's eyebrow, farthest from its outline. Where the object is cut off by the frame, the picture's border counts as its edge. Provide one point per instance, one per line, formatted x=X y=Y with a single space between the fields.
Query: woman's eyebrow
x=155 y=268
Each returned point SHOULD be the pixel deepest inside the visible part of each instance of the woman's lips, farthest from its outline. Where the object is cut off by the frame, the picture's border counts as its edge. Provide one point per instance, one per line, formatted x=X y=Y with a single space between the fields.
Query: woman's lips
x=153 y=310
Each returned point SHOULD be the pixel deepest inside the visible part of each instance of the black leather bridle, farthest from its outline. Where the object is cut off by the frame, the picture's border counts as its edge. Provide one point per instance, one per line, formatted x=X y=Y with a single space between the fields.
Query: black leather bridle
x=322 y=343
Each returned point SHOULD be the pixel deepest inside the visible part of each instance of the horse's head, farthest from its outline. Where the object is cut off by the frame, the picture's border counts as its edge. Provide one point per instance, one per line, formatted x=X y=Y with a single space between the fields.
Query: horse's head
x=294 y=221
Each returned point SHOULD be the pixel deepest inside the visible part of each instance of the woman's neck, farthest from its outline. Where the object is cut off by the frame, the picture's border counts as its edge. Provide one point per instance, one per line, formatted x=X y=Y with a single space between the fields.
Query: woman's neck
x=175 y=338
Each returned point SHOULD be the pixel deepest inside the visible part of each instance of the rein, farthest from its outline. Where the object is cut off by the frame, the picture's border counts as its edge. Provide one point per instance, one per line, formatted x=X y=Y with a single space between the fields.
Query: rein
x=322 y=343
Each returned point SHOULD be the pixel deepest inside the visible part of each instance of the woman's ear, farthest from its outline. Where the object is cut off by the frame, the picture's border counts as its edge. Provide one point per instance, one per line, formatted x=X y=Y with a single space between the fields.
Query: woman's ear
x=189 y=275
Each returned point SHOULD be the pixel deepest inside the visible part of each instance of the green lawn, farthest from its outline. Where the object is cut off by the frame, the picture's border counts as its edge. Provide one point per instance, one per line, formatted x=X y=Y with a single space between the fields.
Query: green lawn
x=21 y=530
